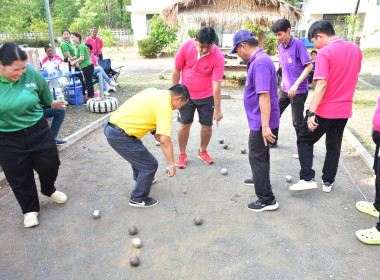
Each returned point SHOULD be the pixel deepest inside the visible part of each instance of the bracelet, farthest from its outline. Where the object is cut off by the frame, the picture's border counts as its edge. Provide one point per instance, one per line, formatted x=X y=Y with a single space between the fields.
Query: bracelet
x=172 y=167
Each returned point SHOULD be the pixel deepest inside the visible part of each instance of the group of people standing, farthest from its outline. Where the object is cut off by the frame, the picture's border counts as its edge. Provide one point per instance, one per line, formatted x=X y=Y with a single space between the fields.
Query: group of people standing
x=196 y=85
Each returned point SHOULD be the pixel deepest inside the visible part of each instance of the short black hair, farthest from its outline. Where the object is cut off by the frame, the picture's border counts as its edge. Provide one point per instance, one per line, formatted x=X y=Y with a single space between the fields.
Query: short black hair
x=89 y=46
x=77 y=34
x=63 y=30
x=180 y=90
x=251 y=42
x=10 y=52
x=281 y=25
x=313 y=51
x=320 y=26
x=206 y=35
x=47 y=47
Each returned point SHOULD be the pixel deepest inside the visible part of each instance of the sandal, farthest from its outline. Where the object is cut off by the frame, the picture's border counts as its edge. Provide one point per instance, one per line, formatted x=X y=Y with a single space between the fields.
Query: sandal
x=369 y=236
x=368 y=208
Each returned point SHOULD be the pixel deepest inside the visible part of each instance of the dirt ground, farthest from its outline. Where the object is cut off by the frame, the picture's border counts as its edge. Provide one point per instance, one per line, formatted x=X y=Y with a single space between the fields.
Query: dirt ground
x=311 y=235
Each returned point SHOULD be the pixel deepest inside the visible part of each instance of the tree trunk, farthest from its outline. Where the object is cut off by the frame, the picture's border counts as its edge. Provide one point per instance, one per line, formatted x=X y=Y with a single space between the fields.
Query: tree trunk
x=357 y=7
x=261 y=38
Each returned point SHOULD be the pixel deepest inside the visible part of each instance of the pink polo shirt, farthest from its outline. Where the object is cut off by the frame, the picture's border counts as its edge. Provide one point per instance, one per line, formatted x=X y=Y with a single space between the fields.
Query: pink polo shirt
x=339 y=63
x=376 y=117
x=198 y=74
x=56 y=59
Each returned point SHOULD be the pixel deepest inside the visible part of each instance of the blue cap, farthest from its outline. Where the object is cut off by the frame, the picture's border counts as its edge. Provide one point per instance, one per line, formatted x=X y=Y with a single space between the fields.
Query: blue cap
x=241 y=36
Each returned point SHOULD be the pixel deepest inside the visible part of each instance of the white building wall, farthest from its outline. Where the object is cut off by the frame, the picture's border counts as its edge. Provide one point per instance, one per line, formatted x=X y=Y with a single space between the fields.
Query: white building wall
x=370 y=37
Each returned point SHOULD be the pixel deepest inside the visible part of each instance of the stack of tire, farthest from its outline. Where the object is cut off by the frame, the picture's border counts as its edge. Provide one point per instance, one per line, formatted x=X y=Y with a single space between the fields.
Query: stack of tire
x=102 y=105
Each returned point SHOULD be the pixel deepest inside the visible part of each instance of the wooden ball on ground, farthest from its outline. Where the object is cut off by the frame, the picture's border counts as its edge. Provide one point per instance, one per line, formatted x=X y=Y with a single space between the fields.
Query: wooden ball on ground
x=198 y=221
x=221 y=141
x=224 y=171
x=132 y=230
x=137 y=242
x=134 y=261
x=243 y=151
x=225 y=146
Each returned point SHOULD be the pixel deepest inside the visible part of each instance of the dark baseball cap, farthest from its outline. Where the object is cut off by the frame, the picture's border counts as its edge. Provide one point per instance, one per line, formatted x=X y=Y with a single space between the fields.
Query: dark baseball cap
x=241 y=36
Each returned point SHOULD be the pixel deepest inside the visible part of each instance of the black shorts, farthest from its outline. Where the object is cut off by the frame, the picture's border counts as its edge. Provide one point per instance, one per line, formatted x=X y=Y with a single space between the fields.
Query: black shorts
x=205 y=108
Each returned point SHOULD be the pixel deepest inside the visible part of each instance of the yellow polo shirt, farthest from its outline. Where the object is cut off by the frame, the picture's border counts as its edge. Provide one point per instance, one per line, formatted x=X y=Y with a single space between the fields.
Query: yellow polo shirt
x=147 y=110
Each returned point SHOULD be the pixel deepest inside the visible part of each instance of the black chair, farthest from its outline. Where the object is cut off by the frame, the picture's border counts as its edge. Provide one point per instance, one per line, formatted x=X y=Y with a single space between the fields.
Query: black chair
x=112 y=73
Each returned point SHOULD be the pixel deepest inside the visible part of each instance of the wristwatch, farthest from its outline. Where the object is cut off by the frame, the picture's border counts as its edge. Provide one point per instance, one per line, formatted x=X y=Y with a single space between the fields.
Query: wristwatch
x=172 y=167
x=310 y=114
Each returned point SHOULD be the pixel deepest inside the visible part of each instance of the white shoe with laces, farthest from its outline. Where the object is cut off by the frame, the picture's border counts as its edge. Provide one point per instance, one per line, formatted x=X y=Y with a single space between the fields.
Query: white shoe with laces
x=303 y=185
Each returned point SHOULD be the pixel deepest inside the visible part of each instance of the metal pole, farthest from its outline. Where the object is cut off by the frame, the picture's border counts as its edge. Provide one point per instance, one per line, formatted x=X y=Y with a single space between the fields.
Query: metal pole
x=51 y=33
x=101 y=85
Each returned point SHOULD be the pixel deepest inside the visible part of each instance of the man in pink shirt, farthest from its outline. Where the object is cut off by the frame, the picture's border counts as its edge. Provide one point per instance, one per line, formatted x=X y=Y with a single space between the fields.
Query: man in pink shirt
x=55 y=59
x=336 y=71
x=96 y=43
x=200 y=65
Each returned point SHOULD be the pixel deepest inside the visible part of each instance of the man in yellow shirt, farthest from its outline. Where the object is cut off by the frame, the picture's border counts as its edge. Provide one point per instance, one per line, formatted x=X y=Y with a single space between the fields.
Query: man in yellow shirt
x=148 y=111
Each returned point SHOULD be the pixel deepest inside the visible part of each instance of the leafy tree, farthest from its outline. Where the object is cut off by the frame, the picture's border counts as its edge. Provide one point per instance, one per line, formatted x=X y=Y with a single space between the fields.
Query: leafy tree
x=161 y=33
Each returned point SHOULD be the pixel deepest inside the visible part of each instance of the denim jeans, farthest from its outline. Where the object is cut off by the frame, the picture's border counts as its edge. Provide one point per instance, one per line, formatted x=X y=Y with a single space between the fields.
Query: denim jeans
x=259 y=160
x=100 y=71
x=58 y=116
x=144 y=164
x=333 y=128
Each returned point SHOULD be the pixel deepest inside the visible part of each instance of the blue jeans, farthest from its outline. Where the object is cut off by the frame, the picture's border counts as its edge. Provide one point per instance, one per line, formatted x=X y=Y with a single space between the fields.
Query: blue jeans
x=58 y=116
x=144 y=164
x=100 y=71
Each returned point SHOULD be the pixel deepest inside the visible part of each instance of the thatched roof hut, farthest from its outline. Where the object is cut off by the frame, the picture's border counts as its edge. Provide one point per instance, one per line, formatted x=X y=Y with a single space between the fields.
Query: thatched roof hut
x=230 y=13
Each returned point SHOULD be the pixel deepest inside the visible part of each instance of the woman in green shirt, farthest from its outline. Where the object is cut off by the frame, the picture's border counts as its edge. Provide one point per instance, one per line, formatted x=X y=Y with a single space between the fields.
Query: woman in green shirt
x=83 y=59
x=26 y=142
x=68 y=52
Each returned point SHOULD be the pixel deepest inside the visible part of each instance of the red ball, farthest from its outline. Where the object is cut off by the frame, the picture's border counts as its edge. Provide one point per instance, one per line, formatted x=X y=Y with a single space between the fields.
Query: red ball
x=184 y=191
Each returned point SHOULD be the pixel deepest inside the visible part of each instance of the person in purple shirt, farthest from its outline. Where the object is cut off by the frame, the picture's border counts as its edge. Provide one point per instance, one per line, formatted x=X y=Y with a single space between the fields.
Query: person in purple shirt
x=263 y=113
x=296 y=66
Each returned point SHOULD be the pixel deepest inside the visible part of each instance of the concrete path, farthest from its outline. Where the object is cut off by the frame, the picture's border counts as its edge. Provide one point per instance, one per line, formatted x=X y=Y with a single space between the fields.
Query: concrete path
x=311 y=235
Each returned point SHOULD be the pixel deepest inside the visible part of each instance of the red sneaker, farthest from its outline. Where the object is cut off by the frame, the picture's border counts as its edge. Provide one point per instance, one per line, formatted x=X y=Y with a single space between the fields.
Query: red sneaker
x=181 y=163
x=205 y=157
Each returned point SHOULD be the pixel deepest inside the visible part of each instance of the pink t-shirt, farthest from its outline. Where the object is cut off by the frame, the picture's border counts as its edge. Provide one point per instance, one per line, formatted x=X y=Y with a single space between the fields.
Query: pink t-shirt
x=56 y=59
x=96 y=44
x=376 y=117
x=94 y=59
x=198 y=74
x=339 y=63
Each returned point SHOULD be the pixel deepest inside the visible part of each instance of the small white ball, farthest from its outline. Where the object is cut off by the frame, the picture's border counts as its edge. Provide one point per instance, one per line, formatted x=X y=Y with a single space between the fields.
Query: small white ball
x=224 y=171
x=96 y=214
x=289 y=178
x=137 y=242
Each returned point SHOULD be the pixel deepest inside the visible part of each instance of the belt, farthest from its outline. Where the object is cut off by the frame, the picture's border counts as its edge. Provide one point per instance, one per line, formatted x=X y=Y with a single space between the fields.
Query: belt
x=117 y=128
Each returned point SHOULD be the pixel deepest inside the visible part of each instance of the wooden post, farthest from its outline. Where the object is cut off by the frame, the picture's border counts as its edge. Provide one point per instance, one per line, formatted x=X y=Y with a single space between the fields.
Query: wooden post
x=261 y=38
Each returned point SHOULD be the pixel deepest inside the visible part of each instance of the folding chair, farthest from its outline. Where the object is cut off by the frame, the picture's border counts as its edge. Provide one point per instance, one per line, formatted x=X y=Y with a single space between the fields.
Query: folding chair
x=112 y=73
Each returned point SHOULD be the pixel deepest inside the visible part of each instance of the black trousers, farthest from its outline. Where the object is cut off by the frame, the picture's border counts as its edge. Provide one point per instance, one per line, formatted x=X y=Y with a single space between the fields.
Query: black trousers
x=79 y=76
x=333 y=128
x=376 y=167
x=297 y=104
x=25 y=150
x=259 y=160
x=88 y=72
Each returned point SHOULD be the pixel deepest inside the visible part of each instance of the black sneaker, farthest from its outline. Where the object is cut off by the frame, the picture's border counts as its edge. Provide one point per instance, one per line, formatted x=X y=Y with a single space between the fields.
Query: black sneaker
x=147 y=202
x=259 y=206
x=249 y=182
x=273 y=145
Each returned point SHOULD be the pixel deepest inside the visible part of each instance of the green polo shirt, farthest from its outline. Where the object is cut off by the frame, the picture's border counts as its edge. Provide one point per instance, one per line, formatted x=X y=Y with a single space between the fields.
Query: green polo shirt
x=67 y=47
x=82 y=50
x=20 y=101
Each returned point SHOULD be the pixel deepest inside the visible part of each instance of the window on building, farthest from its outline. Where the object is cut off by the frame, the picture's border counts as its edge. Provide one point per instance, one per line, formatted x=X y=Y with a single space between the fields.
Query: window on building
x=338 y=22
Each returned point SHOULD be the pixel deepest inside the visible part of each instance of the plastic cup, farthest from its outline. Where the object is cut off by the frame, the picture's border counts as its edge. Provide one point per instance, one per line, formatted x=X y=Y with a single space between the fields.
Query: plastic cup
x=73 y=69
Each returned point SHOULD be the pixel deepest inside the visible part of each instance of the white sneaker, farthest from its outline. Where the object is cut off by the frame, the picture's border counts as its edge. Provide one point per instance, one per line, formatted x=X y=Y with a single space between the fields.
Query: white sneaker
x=326 y=186
x=112 y=89
x=30 y=219
x=57 y=196
x=304 y=185
x=106 y=93
x=113 y=83
x=296 y=156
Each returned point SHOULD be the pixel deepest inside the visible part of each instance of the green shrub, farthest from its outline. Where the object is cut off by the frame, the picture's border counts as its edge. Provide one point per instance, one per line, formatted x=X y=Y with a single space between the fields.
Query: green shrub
x=161 y=33
x=173 y=47
x=192 y=33
x=33 y=43
x=148 y=47
x=271 y=45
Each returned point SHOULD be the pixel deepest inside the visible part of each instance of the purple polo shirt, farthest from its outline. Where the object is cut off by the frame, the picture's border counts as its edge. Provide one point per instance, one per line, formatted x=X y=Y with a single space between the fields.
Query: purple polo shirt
x=293 y=58
x=261 y=76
